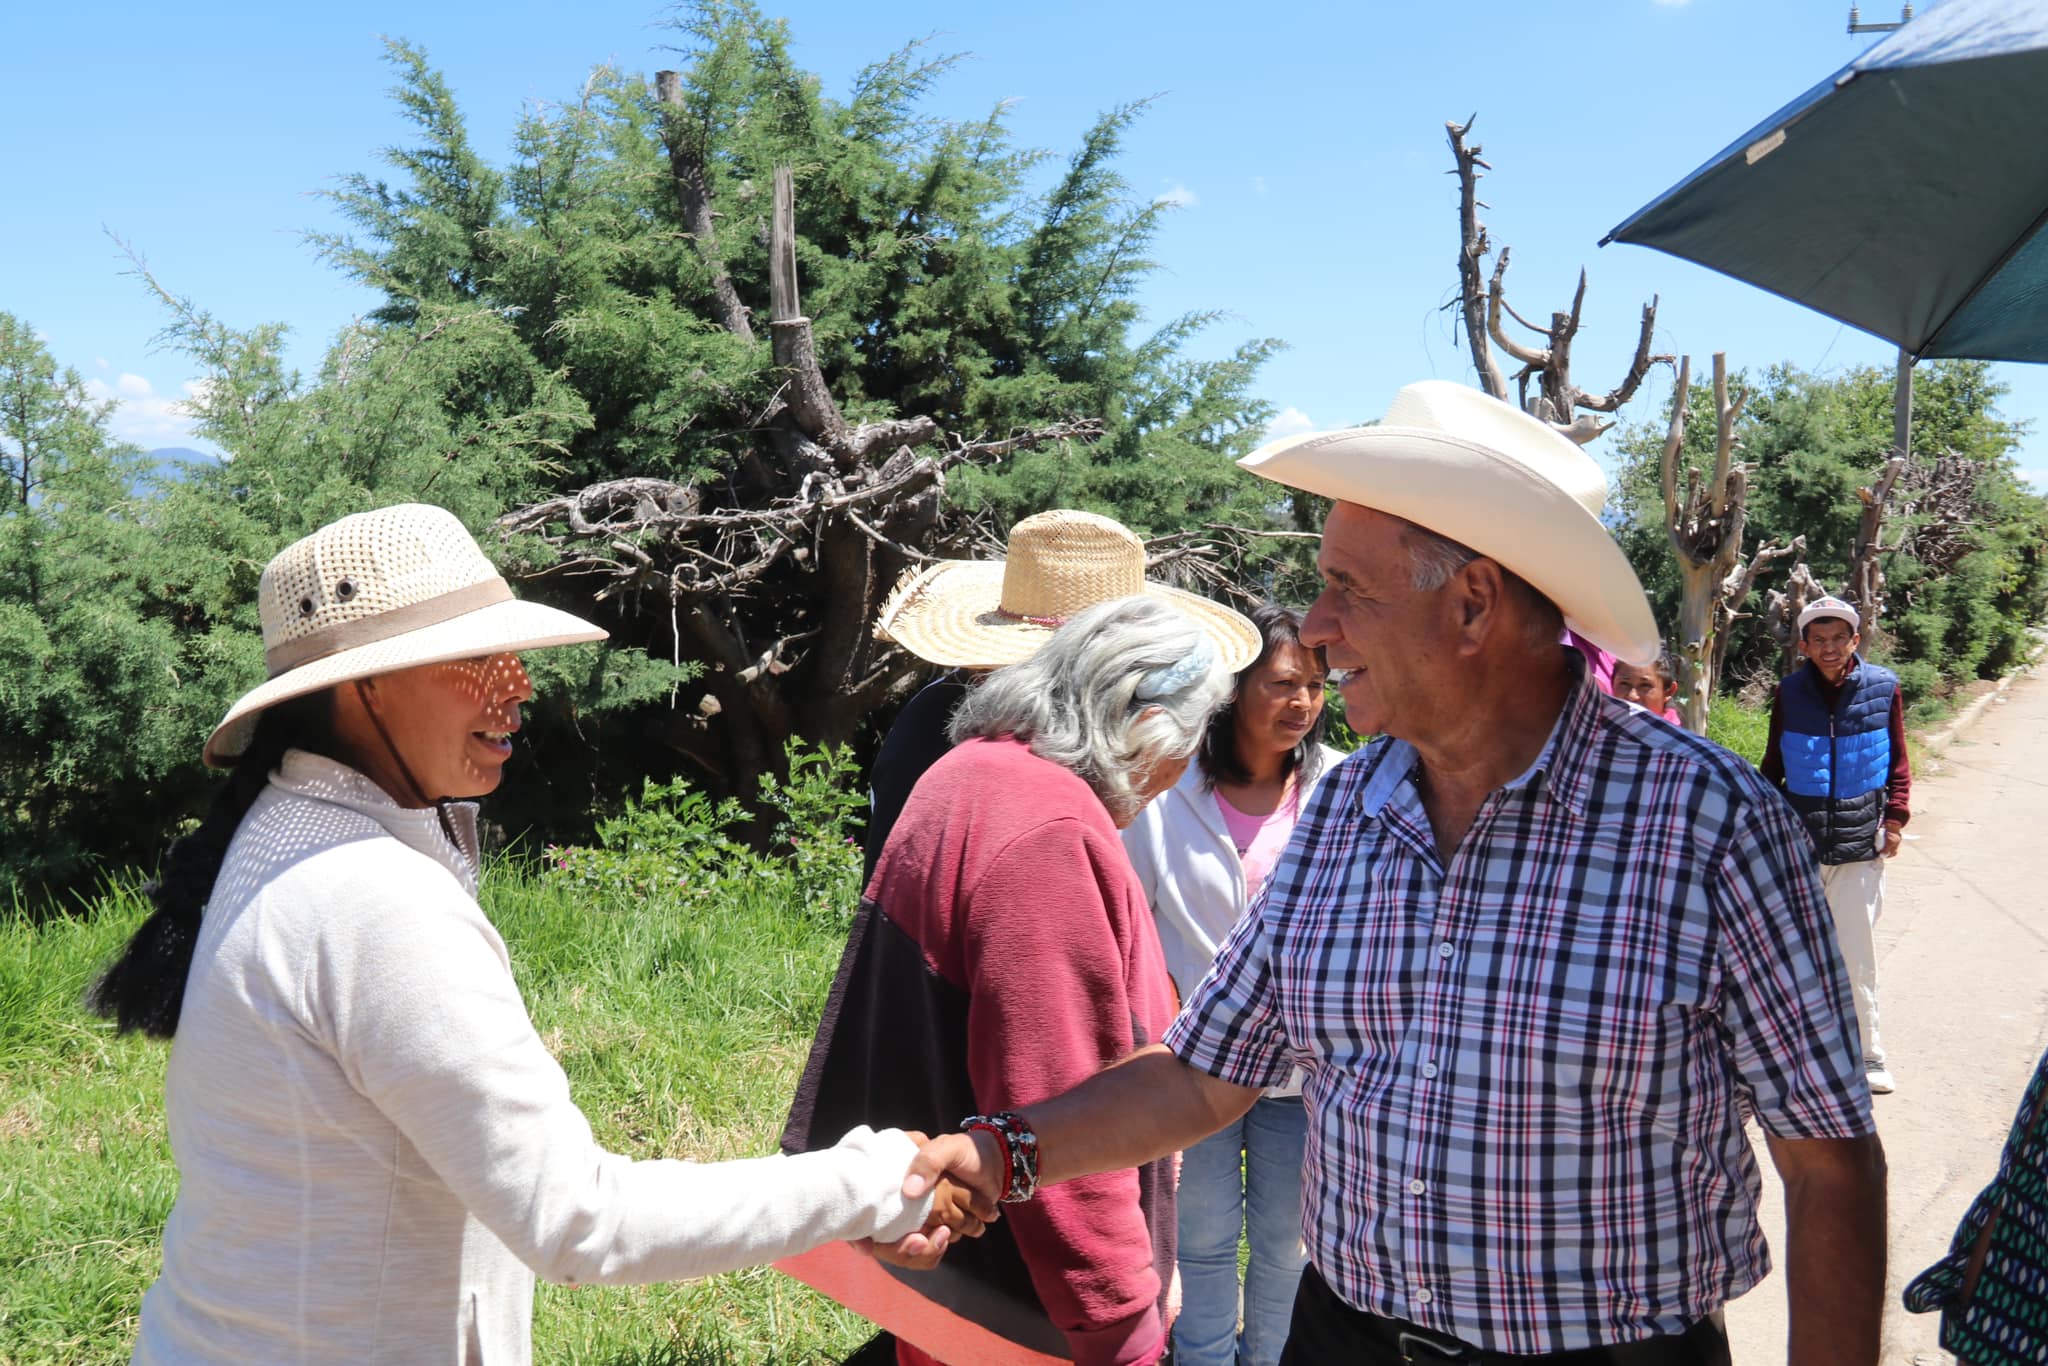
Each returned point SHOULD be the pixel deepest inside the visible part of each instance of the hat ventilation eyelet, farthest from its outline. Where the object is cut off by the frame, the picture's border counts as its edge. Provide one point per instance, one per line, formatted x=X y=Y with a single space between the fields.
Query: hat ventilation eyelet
x=306 y=607
x=344 y=590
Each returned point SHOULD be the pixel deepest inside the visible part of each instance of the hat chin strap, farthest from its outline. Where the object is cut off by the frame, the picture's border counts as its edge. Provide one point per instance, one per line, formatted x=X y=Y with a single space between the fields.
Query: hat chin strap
x=419 y=794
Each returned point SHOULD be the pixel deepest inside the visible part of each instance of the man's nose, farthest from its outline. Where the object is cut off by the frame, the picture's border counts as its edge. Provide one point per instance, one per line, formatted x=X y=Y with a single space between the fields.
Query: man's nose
x=1319 y=627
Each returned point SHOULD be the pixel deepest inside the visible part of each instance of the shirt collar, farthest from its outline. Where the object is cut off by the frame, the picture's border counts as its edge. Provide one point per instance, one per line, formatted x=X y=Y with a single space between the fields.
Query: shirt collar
x=1563 y=765
x=319 y=778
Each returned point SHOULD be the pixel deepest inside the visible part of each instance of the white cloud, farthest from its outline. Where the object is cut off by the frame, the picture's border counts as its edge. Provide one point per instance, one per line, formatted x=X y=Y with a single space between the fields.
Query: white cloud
x=1179 y=197
x=1671 y=4
x=101 y=363
x=1259 y=186
x=144 y=416
x=1289 y=421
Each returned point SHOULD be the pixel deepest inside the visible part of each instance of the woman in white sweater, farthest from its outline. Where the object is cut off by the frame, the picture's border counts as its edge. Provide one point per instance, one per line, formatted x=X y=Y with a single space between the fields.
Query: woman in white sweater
x=1203 y=849
x=376 y=1153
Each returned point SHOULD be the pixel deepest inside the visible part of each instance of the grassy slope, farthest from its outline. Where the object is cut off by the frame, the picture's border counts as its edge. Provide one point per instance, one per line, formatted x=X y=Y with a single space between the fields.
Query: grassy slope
x=682 y=1023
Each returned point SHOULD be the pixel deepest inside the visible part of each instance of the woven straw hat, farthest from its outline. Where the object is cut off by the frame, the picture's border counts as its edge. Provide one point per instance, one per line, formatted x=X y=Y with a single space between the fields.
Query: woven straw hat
x=376 y=592
x=1489 y=476
x=983 y=614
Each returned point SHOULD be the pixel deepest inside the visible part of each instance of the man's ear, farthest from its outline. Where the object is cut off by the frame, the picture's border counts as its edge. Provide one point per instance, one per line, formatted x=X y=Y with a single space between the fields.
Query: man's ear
x=1478 y=594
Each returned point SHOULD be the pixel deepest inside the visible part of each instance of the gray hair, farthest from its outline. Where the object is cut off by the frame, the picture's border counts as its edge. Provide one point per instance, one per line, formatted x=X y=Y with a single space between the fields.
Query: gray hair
x=1432 y=559
x=1123 y=686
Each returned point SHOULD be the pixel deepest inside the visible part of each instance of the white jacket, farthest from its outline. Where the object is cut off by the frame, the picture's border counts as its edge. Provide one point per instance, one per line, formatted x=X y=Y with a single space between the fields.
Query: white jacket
x=1192 y=874
x=377 y=1154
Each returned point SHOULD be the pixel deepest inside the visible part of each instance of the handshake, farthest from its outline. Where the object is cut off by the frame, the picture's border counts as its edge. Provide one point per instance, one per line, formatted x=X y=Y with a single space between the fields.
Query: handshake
x=966 y=1173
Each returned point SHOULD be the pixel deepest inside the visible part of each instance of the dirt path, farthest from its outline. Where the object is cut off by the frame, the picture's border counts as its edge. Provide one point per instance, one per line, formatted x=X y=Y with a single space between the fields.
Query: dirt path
x=1963 y=980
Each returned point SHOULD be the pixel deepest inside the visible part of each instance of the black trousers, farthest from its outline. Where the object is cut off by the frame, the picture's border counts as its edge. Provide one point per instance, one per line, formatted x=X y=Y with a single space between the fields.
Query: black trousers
x=1326 y=1331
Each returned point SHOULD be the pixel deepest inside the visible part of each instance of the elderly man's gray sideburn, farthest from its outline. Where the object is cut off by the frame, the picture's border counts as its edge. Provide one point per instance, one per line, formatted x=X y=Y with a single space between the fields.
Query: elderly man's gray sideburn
x=1433 y=559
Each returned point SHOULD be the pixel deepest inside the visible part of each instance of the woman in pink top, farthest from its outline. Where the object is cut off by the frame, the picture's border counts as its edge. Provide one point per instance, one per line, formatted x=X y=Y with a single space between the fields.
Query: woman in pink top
x=1203 y=851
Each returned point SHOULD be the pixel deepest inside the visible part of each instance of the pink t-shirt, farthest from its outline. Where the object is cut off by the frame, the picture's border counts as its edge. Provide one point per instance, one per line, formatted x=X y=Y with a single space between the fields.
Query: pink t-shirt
x=1259 y=839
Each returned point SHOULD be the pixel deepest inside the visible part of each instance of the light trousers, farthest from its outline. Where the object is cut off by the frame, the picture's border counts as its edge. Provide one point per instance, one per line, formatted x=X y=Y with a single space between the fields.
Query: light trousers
x=1244 y=1179
x=1856 y=896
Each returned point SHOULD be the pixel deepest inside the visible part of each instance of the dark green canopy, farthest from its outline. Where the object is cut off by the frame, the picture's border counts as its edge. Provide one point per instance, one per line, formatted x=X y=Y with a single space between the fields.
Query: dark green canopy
x=1904 y=195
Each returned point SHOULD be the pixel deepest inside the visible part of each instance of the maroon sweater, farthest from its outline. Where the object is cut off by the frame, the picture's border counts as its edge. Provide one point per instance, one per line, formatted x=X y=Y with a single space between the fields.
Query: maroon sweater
x=1005 y=952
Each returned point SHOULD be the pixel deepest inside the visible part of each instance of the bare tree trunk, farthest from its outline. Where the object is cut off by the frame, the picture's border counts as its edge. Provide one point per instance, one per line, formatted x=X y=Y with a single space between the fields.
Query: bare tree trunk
x=1472 y=249
x=1866 y=574
x=693 y=195
x=1706 y=526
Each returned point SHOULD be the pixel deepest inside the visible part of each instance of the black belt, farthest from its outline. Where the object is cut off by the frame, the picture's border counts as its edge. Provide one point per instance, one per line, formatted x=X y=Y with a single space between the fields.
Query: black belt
x=1704 y=1343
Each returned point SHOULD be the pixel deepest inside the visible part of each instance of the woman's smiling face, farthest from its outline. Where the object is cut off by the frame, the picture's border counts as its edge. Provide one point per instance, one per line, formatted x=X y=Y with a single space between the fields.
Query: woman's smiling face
x=453 y=724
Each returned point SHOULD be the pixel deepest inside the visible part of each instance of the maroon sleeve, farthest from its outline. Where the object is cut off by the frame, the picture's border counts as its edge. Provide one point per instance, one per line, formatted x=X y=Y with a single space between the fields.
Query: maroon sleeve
x=1050 y=1005
x=1900 y=788
x=1773 y=765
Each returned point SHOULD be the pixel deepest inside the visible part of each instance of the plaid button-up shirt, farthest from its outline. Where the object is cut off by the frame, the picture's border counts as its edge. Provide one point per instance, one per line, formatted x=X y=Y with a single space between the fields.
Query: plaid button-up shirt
x=1526 y=1068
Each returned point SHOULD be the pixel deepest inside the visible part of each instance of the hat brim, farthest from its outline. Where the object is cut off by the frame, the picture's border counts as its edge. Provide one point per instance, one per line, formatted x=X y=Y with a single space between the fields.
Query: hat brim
x=1485 y=500
x=502 y=628
x=947 y=614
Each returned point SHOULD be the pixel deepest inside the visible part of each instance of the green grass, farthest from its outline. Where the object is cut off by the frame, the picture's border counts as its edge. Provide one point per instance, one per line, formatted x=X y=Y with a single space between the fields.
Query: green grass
x=1742 y=729
x=681 y=1017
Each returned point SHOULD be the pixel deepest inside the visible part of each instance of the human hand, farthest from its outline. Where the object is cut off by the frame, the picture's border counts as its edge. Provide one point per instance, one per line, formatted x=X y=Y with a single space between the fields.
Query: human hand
x=973 y=1160
x=1893 y=835
x=956 y=1212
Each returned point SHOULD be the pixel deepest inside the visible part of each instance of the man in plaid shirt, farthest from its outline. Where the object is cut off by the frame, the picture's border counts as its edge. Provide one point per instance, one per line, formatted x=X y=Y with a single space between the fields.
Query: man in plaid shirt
x=1537 y=952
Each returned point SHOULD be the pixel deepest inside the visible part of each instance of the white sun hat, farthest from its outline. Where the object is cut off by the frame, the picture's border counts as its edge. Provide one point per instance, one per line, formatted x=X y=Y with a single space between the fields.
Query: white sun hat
x=379 y=591
x=1487 y=475
x=1830 y=606
x=983 y=614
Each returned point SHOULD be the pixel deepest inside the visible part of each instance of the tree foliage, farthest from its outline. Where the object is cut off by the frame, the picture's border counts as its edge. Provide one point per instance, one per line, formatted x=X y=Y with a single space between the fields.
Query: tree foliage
x=100 y=690
x=591 y=309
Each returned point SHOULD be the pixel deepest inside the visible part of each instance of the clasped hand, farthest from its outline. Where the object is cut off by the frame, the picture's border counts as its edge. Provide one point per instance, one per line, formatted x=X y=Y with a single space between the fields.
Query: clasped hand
x=962 y=1206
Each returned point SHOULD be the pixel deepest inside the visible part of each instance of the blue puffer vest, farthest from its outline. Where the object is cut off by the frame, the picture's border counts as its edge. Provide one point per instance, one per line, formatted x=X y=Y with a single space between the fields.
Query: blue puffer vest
x=1838 y=763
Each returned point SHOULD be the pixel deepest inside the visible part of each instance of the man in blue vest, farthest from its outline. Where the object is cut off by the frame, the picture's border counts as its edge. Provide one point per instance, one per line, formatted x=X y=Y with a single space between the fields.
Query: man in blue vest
x=1838 y=750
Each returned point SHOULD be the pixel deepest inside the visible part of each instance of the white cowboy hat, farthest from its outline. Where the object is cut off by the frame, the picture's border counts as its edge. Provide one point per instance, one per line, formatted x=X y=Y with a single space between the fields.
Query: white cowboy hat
x=380 y=591
x=1830 y=606
x=983 y=614
x=1492 y=478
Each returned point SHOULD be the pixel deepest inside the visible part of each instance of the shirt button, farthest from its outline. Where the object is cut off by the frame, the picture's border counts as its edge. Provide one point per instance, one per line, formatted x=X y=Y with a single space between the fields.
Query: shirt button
x=1444 y=950
x=1429 y=1069
x=1422 y=1295
x=1417 y=1187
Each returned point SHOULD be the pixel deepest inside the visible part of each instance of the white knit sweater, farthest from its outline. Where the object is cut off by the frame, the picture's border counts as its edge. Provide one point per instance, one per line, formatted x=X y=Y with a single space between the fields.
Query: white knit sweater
x=377 y=1154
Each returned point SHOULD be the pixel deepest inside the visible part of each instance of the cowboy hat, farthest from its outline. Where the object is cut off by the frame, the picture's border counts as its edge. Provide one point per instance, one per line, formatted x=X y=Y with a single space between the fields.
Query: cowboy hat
x=379 y=591
x=983 y=614
x=1487 y=475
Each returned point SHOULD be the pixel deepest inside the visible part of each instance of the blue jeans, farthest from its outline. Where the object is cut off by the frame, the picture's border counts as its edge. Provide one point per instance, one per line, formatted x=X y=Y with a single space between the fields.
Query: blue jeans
x=1247 y=1178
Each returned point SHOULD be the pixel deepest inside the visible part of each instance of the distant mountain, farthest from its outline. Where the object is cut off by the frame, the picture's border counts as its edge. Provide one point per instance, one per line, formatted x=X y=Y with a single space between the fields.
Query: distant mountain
x=171 y=463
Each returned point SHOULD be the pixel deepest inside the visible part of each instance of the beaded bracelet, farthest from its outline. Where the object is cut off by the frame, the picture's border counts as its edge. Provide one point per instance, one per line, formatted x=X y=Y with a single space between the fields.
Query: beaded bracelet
x=1020 y=1152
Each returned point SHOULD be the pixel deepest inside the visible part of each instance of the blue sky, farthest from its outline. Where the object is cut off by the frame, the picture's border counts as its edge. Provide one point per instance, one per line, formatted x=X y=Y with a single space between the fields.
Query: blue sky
x=1303 y=141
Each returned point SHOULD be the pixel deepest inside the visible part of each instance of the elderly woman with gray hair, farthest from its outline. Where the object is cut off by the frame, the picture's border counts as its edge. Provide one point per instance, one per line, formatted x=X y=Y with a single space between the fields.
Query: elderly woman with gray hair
x=1005 y=930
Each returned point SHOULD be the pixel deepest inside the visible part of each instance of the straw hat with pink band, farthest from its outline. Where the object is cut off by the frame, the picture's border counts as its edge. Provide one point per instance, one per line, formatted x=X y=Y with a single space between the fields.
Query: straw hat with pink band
x=377 y=592
x=1487 y=475
x=983 y=614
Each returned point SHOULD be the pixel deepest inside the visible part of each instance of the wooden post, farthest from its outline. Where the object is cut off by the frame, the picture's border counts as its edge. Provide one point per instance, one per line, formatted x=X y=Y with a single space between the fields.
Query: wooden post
x=810 y=402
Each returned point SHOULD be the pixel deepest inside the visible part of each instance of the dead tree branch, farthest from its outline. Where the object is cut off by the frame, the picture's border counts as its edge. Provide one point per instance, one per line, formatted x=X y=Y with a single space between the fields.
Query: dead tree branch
x=1472 y=249
x=1558 y=399
x=686 y=154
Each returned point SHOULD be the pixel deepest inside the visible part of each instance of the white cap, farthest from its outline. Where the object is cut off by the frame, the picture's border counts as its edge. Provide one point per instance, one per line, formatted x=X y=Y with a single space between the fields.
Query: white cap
x=1829 y=606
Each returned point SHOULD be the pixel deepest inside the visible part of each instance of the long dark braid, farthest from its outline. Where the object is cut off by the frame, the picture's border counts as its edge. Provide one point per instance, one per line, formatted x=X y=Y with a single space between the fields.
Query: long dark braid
x=144 y=988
